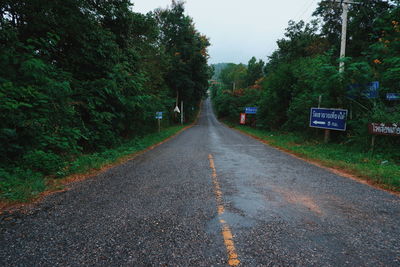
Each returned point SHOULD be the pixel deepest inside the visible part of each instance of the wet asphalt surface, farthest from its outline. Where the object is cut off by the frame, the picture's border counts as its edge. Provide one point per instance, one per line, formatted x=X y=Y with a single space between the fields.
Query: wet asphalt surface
x=160 y=210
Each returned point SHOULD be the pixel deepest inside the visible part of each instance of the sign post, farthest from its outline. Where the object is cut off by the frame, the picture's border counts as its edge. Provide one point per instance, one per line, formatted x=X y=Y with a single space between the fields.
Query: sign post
x=372 y=90
x=251 y=111
x=390 y=129
x=243 y=118
x=393 y=96
x=368 y=90
x=328 y=119
x=159 y=117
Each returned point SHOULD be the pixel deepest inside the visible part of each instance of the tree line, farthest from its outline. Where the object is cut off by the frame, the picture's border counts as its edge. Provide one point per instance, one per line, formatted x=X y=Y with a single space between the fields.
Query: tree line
x=81 y=76
x=304 y=69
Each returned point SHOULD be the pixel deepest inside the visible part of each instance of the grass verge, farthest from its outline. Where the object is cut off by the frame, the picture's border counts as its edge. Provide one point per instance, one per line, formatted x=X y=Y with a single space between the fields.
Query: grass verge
x=26 y=185
x=374 y=168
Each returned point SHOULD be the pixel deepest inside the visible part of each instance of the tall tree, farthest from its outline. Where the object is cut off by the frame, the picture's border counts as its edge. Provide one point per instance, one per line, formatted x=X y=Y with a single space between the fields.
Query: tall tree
x=83 y=75
x=360 y=28
x=254 y=71
x=187 y=50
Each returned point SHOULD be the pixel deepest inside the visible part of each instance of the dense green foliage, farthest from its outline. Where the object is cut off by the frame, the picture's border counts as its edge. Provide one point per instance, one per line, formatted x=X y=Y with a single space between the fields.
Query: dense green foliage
x=238 y=86
x=304 y=69
x=80 y=76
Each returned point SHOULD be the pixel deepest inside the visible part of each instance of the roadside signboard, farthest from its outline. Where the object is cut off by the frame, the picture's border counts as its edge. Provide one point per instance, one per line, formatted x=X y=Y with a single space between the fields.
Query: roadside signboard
x=250 y=110
x=393 y=96
x=242 y=118
x=159 y=118
x=370 y=90
x=392 y=129
x=159 y=115
x=328 y=118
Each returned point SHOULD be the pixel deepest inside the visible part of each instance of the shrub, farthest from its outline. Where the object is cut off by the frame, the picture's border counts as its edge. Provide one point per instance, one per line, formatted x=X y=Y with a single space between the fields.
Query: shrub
x=43 y=162
x=20 y=184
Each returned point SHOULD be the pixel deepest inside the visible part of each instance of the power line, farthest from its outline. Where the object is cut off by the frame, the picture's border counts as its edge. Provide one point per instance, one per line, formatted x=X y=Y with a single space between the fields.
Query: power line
x=308 y=7
x=301 y=15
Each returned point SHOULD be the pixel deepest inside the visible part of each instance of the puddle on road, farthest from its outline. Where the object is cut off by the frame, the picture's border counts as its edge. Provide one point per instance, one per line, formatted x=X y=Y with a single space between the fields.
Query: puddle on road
x=249 y=185
x=235 y=220
x=297 y=198
x=250 y=204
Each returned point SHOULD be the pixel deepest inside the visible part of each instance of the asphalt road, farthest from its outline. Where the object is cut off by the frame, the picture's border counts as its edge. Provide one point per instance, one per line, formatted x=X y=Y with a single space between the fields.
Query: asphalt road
x=209 y=197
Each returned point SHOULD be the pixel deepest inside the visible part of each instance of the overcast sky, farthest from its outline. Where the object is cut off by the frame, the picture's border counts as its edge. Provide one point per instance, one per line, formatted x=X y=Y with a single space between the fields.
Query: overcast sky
x=241 y=29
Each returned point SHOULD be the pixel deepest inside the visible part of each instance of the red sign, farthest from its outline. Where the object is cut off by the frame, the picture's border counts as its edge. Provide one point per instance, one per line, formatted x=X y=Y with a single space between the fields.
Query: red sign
x=242 y=118
x=384 y=129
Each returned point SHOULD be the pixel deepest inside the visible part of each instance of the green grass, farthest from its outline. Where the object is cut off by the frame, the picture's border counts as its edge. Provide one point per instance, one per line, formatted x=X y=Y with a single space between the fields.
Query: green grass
x=21 y=185
x=95 y=161
x=378 y=168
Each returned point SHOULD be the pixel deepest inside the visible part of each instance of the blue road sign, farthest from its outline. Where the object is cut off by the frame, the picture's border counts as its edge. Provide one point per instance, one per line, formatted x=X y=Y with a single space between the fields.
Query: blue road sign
x=159 y=115
x=369 y=90
x=372 y=90
x=250 y=110
x=328 y=118
x=393 y=96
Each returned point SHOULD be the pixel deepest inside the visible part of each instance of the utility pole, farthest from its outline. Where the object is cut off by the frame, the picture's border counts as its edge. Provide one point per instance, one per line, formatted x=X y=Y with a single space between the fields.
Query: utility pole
x=345 y=6
x=182 y=112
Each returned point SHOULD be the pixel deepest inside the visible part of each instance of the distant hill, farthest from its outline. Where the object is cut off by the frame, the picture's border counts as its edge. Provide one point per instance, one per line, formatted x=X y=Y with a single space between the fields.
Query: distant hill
x=217 y=69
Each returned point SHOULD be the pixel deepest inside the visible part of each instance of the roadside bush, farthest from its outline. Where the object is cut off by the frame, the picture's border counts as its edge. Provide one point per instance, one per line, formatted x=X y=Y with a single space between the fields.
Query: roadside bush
x=43 y=162
x=20 y=184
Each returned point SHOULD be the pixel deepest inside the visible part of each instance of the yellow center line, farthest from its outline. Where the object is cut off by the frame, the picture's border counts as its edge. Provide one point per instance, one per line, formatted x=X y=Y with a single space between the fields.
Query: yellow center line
x=233 y=259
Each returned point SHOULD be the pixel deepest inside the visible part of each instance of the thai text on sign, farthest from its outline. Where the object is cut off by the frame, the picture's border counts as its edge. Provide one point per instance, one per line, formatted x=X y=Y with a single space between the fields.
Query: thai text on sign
x=330 y=115
x=384 y=129
x=326 y=118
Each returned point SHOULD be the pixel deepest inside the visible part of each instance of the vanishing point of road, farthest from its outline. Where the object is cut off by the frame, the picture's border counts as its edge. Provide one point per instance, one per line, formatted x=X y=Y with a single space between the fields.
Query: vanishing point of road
x=210 y=196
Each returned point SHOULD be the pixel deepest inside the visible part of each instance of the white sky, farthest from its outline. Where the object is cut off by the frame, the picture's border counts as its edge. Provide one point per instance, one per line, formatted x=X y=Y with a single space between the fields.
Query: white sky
x=239 y=29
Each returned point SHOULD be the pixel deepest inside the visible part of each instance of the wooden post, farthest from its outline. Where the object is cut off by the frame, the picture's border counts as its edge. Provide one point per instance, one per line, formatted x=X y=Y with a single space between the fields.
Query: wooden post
x=373 y=143
x=327 y=136
x=159 y=125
